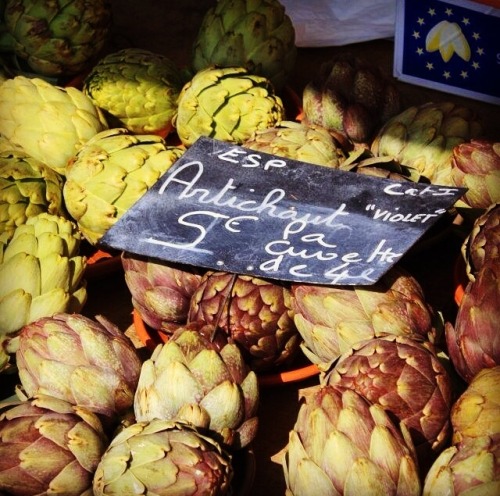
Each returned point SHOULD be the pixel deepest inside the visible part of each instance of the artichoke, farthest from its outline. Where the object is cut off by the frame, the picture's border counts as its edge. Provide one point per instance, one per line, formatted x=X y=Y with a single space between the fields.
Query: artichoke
x=257 y=35
x=424 y=136
x=473 y=339
x=475 y=413
x=27 y=187
x=227 y=104
x=341 y=444
x=332 y=319
x=256 y=313
x=88 y=363
x=41 y=273
x=468 y=468
x=161 y=291
x=476 y=166
x=48 y=446
x=203 y=381
x=137 y=88
x=110 y=173
x=163 y=457
x=408 y=380
x=297 y=141
x=48 y=122
x=351 y=96
x=58 y=38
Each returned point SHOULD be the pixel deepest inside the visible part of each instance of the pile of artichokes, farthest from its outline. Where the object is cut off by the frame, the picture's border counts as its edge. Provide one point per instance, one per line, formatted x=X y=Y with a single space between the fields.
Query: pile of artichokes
x=406 y=400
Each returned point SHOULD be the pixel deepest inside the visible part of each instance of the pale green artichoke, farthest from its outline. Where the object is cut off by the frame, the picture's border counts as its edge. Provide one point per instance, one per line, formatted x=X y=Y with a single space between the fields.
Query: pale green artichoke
x=137 y=88
x=256 y=34
x=48 y=446
x=256 y=313
x=41 y=273
x=48 y=122
x=163 y=458
x=227 y=104
x=86 y=362
x=110 y=173
x=297 y=141
x=424 y=136
x=202 y=380
x=27 y=187
x=58 y=38
x=343 y=445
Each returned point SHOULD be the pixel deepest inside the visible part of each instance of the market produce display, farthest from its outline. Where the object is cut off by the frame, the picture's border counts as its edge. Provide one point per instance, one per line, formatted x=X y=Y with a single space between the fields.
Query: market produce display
x=405 y=399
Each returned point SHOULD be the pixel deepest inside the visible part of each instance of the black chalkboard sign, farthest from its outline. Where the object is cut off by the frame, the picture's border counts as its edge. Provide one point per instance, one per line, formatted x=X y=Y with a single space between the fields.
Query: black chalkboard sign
x=228 y=208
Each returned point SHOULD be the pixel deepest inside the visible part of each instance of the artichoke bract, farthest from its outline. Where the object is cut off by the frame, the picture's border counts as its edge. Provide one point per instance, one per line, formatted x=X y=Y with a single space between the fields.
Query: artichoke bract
x=203 y=381
x=298 y=141
x=161 y=291
x=341 y=444
x=86 y=362
x=351 y=96
x=48 y=446
x=408 y=380
x=137 y=88
x=476 y=166
x=256 y=313
x=48 y=122
x=332 y=319
x=58 y=38
x=424 y=136
x=227 y=104
x=27 y=188
x=41 y=273
x=163 y=457
x=257 y=35
x=110 y=173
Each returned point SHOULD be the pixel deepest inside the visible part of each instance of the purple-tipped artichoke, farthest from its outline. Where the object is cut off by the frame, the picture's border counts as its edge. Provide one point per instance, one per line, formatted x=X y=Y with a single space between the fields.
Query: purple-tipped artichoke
x=48 y=446
x=474 y=339
x=408 y=380
x=203 y=381
x=161 y=291
x=343 y=445
x=332 y=319
x=89 y=363
x=476 y=166
x=164 y=458
x=255 y=313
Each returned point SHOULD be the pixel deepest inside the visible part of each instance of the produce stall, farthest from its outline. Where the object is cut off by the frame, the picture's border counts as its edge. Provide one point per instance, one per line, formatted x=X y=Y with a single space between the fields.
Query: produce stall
x=439 y=272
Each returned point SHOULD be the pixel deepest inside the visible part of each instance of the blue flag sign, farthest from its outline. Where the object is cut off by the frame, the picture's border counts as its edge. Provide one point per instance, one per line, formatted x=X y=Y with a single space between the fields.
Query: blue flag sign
x=450 y=46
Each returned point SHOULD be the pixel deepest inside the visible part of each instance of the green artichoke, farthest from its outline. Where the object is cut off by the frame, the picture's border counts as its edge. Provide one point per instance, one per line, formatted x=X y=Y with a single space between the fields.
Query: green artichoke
x=256 y=313
x=27 y=187
x=332 y=319
x=163 y=458
x=161 y=291
x=203 y=381
x=48 y=446
x=48 y=122
x=424 y=136
x=227 y=104
x=257 y=35
x=137 y=88
x=471 y=467
x=408 y=380
x=476 y=166
x=341 y=444
x=88 y=363
x=110 y=173
x=41 y=273
x=58 y=38
x=473 y=339
x=297 y=141
x=351 y=96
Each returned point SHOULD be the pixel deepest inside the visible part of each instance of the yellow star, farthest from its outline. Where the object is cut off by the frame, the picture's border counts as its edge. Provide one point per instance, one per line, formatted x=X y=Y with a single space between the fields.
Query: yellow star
x=421 y=21
x=429 y=66
x=464 y=74
x=446 y=74
x=466 y=21
x=420 y=51
x=476 y=36
x=480 y=51
x=416 y=35
x=475 y=65
x=432 y=12
x=449 y=12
